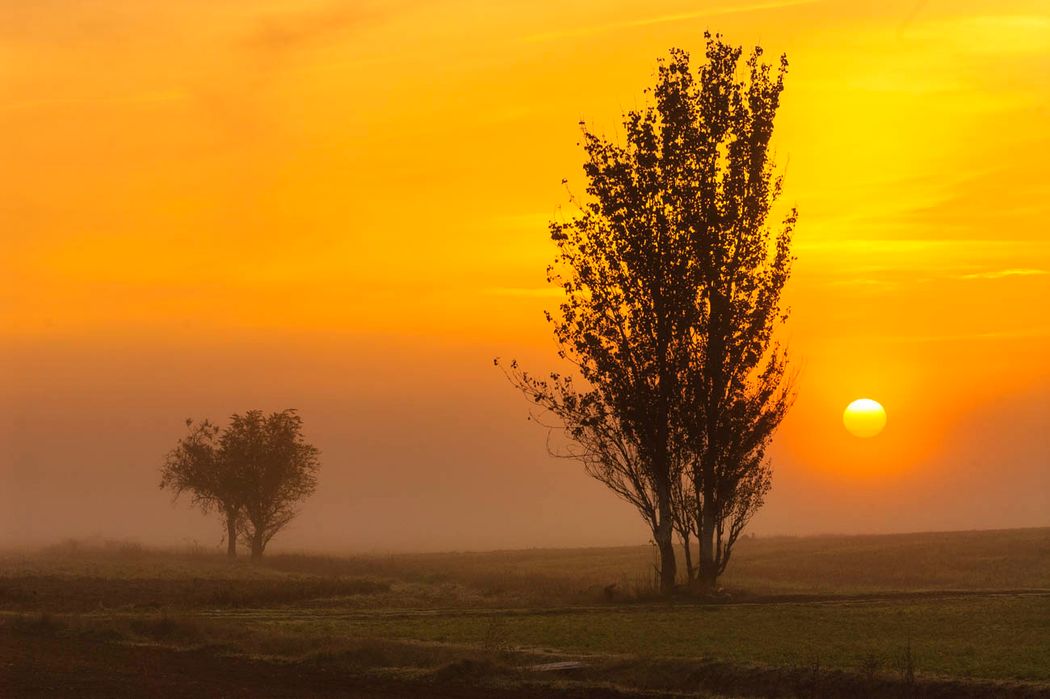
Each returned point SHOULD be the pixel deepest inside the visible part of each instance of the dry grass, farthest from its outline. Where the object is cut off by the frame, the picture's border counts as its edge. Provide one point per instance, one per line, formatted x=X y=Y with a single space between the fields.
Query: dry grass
x=985 y=560
x=988 y=560
x=422 y=665
x=876 y=614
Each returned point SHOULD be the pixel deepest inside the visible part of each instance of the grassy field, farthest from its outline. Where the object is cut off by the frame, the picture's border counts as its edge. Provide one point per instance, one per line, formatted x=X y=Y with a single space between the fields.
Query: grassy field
x=953 y=614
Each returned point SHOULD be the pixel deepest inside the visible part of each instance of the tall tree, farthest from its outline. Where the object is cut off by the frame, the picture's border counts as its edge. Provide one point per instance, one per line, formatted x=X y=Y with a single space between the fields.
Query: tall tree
x=278 y=469
x=738 y=391
x=672 y=284
x=624 y=262
x=197 y=466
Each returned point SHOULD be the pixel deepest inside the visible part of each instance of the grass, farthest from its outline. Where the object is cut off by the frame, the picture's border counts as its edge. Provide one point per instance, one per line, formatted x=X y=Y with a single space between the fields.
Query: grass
x=187 y=632
x=996 y=638
x=976 y=560
x=82 y=594
x=979 y=560
x=973 y=606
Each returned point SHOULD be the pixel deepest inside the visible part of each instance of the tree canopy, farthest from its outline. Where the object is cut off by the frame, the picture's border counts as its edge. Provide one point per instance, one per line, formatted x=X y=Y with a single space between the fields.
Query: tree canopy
x=255 y=472
x=672 y=279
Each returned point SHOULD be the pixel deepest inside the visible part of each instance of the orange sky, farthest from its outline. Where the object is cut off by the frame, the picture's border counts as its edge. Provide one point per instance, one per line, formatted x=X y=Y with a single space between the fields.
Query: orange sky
x=214 y=206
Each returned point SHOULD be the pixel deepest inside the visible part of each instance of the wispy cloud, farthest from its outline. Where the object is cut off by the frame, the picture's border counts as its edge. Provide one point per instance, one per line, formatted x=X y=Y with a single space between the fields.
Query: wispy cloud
x=1032 y=333
x=1004 y=273
x=281 y=33
x=864 y=283
x=994 y=34
x=900 y=246
x=526 y=292
x=153 y=97
x=663 y=19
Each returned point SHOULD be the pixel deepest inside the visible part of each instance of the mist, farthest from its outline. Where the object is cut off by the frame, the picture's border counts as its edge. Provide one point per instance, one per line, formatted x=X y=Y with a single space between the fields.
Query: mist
x=424 y=447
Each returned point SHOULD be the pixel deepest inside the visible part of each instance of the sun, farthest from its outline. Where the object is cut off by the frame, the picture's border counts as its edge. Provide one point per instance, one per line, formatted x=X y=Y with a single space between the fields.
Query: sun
x=864 y=417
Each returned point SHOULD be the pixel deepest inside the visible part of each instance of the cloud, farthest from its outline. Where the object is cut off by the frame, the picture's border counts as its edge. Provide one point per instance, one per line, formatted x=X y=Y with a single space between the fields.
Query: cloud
x=1004 y=273
x=902 y=246
x=663 y=19
x=998 y=34
x=144 y=98
x=865 y=283
x=278 y=34
x=1029 y=334
x=526 y=292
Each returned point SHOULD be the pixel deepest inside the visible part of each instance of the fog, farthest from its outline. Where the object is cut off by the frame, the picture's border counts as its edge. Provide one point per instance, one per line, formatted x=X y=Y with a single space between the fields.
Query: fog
x=424 y=447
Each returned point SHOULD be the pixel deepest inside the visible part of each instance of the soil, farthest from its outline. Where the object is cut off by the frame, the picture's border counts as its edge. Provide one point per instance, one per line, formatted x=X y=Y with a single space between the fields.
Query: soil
x=32 y=666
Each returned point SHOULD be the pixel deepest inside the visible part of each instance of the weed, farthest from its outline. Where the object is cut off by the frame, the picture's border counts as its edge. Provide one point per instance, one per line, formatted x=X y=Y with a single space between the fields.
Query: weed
x=906 y=665
x=870 y=667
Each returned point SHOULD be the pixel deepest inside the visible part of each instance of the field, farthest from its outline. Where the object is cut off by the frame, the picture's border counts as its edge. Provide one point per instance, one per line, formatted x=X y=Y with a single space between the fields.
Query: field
x=952 y=614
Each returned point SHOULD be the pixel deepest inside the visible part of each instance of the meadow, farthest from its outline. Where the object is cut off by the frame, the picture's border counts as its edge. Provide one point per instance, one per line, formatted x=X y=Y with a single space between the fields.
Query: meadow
x=932 y=614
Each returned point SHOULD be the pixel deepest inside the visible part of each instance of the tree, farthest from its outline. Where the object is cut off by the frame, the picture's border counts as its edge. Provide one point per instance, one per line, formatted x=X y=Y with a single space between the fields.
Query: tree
x=255 y=472
x=278 y=469
x=672 y=285
x=197 y=466
x=625 y=265
x=738 y=391
x=598 y=438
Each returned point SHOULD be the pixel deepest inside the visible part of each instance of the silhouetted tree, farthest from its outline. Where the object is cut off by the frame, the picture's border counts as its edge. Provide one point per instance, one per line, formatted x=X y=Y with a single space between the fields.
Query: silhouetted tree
x=255 y=472
x=277 y=469
x=197 y=466
x=672 y=284
x=599 y=439
x=625 y=262
x=738 y=391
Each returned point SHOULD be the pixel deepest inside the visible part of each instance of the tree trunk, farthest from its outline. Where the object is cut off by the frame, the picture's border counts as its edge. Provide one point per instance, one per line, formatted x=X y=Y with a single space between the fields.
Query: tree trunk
x=258 y=545
x=686 y=547
x=708 y=571
x=665 y=542
x=231 y=535
x=718 y=329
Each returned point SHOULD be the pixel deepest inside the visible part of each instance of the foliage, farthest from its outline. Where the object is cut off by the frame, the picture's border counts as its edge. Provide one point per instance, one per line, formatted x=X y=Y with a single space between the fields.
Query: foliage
x=737 y=391
x=672 y=283
x=255 y=472
x=279 y=469
x=198 y=466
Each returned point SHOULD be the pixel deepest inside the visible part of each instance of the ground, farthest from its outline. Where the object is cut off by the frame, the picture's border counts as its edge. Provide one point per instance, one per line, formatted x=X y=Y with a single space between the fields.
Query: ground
x=959 y=614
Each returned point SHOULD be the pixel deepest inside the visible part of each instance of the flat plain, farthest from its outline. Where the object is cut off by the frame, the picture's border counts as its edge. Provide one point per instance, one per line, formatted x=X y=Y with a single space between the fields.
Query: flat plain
x=931 y=614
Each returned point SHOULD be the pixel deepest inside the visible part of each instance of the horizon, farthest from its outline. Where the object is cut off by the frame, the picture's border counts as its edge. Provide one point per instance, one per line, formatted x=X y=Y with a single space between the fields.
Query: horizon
x=113 y=546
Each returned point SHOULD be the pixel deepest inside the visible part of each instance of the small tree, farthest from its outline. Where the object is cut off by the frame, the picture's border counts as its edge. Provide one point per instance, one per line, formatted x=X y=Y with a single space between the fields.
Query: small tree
x=255 y=472
x=278 y=469
x=197 y=466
